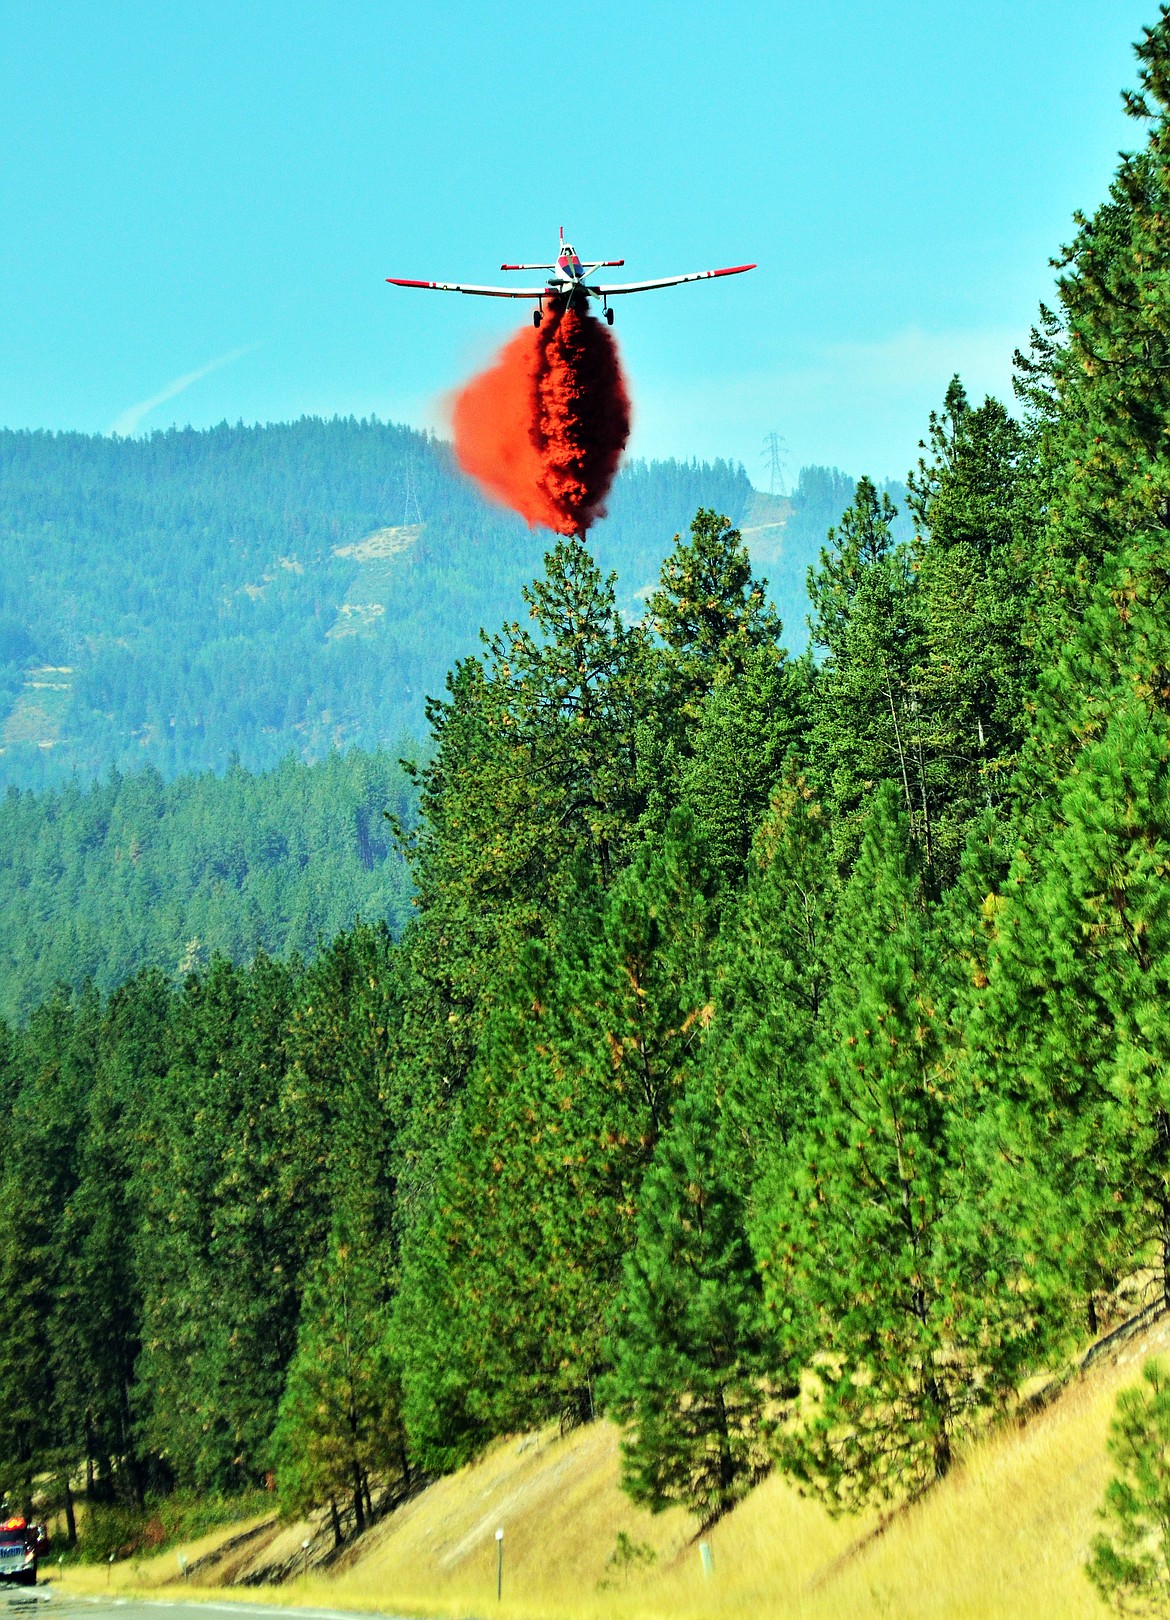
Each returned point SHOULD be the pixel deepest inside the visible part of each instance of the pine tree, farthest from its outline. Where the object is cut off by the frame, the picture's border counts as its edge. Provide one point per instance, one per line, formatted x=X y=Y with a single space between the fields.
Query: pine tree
x=339 y=1426
x=99 y=1305
x=725 y=704
x=1072 y=1041
x=340 y=1110
x=505 y=1292
x=771 y=984
x=1130 y=1564
x=853 y=1230
x=750 y=722
x=54 y=1076
x=690 y=1376
x=978 y=501
x=710 y=612
x=534 y=776
x=1102 y=382
x=868 y=723
x=221 y=1265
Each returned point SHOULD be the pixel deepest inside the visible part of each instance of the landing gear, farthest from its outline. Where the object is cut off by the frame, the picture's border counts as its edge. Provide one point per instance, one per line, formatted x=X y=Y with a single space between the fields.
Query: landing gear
x=536 y=314
x=609 y=317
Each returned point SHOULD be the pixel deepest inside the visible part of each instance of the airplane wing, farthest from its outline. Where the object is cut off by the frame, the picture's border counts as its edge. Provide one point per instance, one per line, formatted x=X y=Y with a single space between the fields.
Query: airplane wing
x=670 y=281
x=464 y=287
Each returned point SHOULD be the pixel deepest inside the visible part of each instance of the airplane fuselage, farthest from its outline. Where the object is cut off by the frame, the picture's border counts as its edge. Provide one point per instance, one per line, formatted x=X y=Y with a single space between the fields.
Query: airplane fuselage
x=567 y=282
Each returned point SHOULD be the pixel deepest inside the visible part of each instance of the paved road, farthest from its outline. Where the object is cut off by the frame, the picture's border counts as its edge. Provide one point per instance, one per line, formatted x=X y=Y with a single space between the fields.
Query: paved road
x=42 y=1603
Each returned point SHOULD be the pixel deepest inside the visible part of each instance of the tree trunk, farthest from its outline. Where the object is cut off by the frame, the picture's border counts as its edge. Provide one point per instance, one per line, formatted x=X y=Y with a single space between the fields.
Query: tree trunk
x=942 y=1440
x=901 y=750
x=129 y=1451
x=942 y=1454
x=70 y=1516
x=983 y=763
x=726 y=1461
x=1163 y=1127
x=336 y=1521
x=359 y=1512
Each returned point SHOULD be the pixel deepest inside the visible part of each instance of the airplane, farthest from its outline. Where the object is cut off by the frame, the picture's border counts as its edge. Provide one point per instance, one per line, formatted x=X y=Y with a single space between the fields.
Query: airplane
x=568 y=282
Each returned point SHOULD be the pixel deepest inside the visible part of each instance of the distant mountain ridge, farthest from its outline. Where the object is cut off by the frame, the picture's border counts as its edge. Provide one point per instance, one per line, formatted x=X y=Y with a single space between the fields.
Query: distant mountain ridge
x=192 y=597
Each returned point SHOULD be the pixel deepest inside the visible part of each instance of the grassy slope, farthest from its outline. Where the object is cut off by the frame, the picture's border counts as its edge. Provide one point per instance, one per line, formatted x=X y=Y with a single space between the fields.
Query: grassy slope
x=1006 y=1535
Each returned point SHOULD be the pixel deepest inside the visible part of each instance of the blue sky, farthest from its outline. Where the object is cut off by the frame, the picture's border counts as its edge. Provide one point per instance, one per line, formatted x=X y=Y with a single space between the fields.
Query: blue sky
x=199 y=202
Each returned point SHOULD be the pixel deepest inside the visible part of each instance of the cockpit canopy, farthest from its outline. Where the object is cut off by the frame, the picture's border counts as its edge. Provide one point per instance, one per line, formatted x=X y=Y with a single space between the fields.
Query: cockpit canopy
x=568 y=251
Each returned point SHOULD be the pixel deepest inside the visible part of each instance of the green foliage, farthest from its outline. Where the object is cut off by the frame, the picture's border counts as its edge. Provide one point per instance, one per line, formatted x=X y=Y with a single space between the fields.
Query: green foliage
x=190 y=597
x=507 y=1285
x=45 y=1133
x=221 y=1264
x=690 y=1376
x=1130 y=1565
x=1072 y=1037
x=979 y=498
x=628 y=1555
x=778 y=1050
x=867 y=713
x=116 y=1530
x=709 y=611
x=892 y=1367
x=1071 y=1040
x=339 y=1421
x=771 y=986
x=749 y=724
x=136 y=872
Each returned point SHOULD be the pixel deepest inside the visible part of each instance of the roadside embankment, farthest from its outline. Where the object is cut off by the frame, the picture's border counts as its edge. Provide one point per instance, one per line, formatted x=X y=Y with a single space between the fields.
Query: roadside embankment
x=1006 y=1535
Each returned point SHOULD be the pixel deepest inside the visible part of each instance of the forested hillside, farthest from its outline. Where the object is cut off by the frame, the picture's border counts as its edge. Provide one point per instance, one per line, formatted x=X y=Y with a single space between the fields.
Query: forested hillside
x=192 y=596
x=777 y=1058
x=101 y=882
x=178 y=599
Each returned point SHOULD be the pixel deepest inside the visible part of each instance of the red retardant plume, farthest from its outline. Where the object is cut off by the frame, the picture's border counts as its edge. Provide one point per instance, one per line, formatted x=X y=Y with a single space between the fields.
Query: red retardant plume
x=544 y=427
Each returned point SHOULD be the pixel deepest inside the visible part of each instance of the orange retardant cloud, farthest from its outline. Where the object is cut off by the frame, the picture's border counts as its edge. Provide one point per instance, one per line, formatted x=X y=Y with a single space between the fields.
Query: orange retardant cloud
x=543 y=428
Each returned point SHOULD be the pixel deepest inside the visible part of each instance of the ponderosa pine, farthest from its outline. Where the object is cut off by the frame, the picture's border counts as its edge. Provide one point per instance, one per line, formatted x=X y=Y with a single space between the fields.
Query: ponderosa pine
x=506 y=1291
x=868 y=724
x=690 y=1380
x=772 y=981
x=850 y=1230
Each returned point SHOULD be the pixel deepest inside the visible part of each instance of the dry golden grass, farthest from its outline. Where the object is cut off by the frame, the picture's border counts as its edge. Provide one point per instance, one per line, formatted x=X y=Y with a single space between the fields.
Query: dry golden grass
x=1005 y=1537
x=146 y=1574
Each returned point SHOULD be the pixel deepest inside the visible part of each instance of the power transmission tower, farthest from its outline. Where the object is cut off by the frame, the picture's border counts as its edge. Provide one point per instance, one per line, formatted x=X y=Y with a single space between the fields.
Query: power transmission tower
x=774 y=454
x=410 y=498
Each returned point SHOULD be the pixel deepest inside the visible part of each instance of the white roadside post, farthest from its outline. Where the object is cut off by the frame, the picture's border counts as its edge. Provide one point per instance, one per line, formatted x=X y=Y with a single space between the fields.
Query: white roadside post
x=499 y=1563
x=706 y=1559
x=305 y=1551
x=183 y=1566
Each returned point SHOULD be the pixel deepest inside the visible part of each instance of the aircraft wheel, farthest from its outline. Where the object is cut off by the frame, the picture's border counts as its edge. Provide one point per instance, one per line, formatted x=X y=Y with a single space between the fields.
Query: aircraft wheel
x=609 y=317
x=536 y=317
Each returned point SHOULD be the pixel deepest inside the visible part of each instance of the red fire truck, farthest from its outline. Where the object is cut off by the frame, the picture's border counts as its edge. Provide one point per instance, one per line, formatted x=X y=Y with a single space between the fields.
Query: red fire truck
x=21 y=1545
